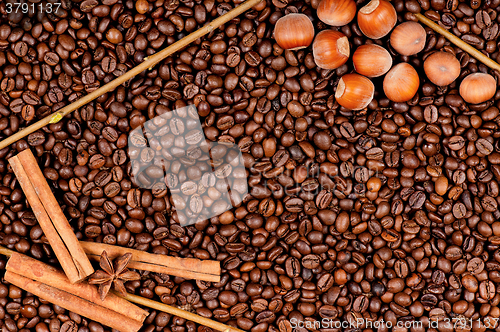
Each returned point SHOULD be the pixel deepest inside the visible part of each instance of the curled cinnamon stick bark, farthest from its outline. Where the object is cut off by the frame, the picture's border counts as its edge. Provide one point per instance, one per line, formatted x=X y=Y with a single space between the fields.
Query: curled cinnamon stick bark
x=17 y=280
x=35 y=270
x=74 y=303
x=54 y=224
x=188 y=268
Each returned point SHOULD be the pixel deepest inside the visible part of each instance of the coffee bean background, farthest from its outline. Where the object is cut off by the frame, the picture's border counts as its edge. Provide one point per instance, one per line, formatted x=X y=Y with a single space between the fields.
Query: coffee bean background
x=388 y=213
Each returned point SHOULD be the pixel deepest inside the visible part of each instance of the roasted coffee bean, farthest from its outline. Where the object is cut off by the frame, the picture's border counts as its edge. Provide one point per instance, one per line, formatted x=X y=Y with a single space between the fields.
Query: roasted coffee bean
x=69 y=326
x=459 y=210
x=325 y=282
x=484 y=146
x=195 y=203
x=417 y=200
x=483 y=19
x=487 y=290
x=475 y=265
x=311 y=261
x=389 y=212
x=324 y=199
x=430 y=114
x=456 y=143
x=31 y=98
x=491 y=32
x=36 y=139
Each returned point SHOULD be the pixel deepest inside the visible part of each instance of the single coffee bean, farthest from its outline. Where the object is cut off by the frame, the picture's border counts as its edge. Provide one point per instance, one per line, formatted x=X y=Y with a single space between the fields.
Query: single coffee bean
x=51 y=58
x=456 y=143
x=430 y=114
x=21 y=48
x=31 y=98
x=28 y=112
x=325 y=282
x=475 y=265
x=195 y=204
x=483 y=19
x=35 y=139
x=484 y=146
x=69 y=326
x=487 y=290
x=459 y=210
x=417 y=200
x=310 y=261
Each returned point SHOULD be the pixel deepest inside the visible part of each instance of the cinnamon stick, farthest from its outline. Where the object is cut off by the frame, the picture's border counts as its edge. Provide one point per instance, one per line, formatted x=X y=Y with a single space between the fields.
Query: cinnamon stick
x=73 y=303
x=35 y=270
x=52 y=285
x=54 y=224
x=39 y=290
x=188 y=268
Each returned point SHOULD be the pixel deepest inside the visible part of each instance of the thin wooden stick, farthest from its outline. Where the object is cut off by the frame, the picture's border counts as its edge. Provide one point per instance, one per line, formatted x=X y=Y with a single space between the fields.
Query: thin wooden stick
x=151 y=61
x=459 y=42
x=181 y=313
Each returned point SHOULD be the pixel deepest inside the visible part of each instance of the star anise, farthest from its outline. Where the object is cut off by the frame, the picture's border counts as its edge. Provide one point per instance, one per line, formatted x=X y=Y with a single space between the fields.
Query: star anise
x=113 y=274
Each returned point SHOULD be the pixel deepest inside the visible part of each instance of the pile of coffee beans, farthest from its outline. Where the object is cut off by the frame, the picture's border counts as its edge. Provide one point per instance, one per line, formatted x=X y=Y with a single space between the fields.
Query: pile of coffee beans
x=374 y=220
